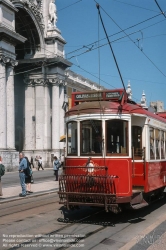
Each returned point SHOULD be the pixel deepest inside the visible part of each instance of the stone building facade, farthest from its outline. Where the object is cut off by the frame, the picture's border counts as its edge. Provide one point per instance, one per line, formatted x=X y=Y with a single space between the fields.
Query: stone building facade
x=158 y=106
x=35 y=81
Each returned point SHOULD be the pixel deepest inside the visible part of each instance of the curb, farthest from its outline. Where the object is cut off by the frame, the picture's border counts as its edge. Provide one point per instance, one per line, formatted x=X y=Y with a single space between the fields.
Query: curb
x=15 y=198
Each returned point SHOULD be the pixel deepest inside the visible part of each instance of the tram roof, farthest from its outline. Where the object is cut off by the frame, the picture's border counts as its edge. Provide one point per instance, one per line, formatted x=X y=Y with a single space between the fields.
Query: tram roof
x=110 y=107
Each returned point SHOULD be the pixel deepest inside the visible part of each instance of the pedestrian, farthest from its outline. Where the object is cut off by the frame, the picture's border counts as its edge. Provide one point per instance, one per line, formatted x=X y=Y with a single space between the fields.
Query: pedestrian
x=22 y=167
x=36 y=160
x=28 y=177
x=56 y=165
x=31 y=162
x=2 y=172
x=40 y=164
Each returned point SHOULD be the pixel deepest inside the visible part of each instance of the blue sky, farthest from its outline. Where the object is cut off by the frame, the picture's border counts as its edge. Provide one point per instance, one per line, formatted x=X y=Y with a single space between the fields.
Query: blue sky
x=140 y=51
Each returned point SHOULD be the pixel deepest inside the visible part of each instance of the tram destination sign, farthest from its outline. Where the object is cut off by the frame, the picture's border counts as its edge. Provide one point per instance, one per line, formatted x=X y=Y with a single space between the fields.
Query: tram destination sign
x=89 y=96
x=112 y=95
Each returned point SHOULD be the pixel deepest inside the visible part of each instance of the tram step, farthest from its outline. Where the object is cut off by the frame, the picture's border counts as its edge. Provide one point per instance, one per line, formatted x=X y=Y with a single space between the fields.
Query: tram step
x=139 y=205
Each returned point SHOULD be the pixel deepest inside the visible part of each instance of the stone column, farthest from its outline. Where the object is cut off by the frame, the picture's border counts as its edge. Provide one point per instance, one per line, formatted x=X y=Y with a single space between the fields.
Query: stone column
x=61 y=112
x=55 y=117
x=3 y=122
x=47 y=117
x=40 y=113
x=10 y=105
x=29 y=143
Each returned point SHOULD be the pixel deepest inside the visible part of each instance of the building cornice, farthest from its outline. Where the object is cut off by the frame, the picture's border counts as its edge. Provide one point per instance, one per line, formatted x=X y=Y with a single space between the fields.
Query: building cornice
x=8 y=4
x=10 y=35
x=76 y=80
x=46 y=61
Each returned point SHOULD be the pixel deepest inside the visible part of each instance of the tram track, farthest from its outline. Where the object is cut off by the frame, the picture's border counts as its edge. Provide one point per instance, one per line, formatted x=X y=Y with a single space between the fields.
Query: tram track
x=25 y=205
x=98 y=224
x=68 y=226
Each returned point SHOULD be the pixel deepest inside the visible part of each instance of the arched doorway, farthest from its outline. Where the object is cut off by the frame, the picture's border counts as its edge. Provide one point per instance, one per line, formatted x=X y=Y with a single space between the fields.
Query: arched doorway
x=25 y=26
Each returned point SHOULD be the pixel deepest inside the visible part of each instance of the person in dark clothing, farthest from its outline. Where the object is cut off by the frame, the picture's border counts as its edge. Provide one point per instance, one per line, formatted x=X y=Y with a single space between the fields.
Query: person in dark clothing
x=21 y=169
x=28 y=178
x=31 y=162
x=56 y=165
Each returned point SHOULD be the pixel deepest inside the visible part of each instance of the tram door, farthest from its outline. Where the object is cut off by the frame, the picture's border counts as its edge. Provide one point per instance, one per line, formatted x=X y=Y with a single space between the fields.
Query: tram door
x=138 y=167
x=137 y=142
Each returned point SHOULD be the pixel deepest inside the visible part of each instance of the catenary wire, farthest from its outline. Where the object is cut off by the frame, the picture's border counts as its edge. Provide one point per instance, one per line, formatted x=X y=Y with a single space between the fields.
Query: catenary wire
x=133 y=42
x=48 y=65
x=134 y=5
x=118 y=32
x=160 y=8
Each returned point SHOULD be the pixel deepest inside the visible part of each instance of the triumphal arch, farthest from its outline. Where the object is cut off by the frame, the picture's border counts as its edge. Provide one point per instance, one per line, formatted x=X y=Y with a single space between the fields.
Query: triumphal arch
x=33 y=81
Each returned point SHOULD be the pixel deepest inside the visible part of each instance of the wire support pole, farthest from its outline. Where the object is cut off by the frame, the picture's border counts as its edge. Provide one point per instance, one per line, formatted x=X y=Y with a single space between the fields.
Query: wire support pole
x=98 y=7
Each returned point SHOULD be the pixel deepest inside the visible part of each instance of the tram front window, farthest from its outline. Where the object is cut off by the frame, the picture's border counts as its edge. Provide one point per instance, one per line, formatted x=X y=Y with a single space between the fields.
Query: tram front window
x=72 y=138
x=116 y=137
x=91 y=137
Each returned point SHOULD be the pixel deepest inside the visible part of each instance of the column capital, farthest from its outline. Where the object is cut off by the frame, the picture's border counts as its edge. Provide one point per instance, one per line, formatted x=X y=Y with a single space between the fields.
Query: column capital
x=36 y=82
x=7 y=60
x=29 y=82
x=4 y=59
x=13 y=63
x=57 y=82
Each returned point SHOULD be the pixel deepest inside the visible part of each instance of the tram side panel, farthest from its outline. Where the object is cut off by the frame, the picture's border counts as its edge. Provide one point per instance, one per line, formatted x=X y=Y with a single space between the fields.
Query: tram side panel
x=139 y=176
x=148 y=177
x=156 y=176
x=121 y=168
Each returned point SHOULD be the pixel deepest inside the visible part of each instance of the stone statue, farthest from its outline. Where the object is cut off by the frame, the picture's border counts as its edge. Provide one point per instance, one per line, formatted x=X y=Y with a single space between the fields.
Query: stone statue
x=52 y=13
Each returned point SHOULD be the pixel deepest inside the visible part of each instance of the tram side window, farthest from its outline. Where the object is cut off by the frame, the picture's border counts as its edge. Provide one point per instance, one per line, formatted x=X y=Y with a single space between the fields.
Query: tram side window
x=162 y=145
x=157 y=143
x=137 y=140
x=91 y=137
x=152 y=146
x=72 y=138
x=116 y=137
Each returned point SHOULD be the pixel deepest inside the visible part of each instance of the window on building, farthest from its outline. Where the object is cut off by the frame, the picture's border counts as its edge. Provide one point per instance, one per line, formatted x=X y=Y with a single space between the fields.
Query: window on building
x=116 y=137
x=91 y=137
x=72 y=138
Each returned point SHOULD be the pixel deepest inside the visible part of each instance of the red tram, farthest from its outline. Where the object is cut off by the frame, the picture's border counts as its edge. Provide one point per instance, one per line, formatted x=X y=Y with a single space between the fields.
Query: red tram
x=116 y=152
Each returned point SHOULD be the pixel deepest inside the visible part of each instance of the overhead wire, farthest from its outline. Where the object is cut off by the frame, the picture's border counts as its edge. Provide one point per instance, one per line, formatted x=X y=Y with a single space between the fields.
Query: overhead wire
x=133 y=41
x=98 y=7
x=118 y=32
x=162 y=12
x=73 y=64
x=135 y=6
